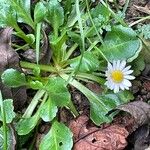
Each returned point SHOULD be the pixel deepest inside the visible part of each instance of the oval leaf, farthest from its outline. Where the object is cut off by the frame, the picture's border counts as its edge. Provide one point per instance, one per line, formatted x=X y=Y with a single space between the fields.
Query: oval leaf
x=58 y=91
x=48 y=111
x=9 y=110
x=121 y=44
x=13 y=78
x=58 y=138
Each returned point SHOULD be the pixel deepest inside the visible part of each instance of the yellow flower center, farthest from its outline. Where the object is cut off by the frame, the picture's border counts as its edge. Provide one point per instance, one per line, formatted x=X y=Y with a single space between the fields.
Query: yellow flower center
x=117 y=76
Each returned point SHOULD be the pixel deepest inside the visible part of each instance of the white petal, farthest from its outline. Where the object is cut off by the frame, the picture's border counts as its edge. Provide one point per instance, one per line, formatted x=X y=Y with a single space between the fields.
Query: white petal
x=116 y=88
x=128 y=72
x=122 y=64
x=126 y=69
x=118 y=65
x=129 y=77
x=110 y=67
x=122 y=86
x=114 y=64
x=127 y=82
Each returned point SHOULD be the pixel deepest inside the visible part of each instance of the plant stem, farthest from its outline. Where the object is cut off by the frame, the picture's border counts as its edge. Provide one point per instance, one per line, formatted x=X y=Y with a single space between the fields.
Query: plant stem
x=4 y=122
x=71 y=50
x=38 y=33
x=81 y=33
x=125 y=6
x=140 y=20
x=91 y=77
x=95 y=47
x=120 y=20
x=33 y=104
x=88 y=93
x=100 y=38
x=47 y=68
x=73 y=109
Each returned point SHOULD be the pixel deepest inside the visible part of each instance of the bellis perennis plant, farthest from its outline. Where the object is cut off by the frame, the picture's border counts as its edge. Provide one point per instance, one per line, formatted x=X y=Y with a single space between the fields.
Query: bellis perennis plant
x=118 y=76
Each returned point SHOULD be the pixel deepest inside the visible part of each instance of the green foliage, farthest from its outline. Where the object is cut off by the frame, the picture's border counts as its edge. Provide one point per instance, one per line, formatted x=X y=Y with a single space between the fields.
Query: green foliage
x=120 y=44
x=9 y=110
x=39 y=12
x=138 y=65
x=81 y=41
x=26 y=125
x=58 y=91
x=10 y=138
x=55 y=15
x=13 y=78
x=48 y=111
x=89 y=62
x=59 y=137
x=144 y=31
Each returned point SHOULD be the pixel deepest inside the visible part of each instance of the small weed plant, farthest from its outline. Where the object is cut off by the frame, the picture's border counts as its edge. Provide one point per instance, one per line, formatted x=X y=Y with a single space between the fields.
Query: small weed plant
x=84 y=37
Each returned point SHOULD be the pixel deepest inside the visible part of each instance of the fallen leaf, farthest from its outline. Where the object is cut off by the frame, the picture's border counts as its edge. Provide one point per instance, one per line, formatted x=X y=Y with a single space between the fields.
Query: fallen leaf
x=10 y=59
x=143 y=9
x=140 y=139
x=139 y=110
x=94 y=138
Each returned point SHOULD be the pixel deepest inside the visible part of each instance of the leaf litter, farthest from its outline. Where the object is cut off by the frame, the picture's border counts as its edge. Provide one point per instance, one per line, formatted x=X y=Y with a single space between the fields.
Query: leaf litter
x=10 y=59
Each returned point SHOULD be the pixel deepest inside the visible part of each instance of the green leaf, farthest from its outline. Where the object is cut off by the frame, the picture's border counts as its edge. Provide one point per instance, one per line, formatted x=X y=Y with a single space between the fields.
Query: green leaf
x=8 y=15
x=111 y=101
x=89 y=62
x=39 y=12
x=26 y=125
x=13 y=78
x=138 y=65
x=22 y=9
x=9 y=110
x=58 y=138
x=120 y=44
x=125 y=96
x=36 y=85
x=55 y=15
x=48 y=111
x=58 y=91
x=11 y=141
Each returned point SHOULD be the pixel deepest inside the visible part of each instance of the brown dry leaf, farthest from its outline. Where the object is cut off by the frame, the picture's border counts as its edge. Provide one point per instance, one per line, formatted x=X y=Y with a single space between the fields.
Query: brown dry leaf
x=45 y=53
x=139 y=110
x=93 y=138
x=10 y=59
x=143 y=9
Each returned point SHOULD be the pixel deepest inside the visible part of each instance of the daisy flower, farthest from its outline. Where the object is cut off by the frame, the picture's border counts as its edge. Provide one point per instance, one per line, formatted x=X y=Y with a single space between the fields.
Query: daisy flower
x=118 y=76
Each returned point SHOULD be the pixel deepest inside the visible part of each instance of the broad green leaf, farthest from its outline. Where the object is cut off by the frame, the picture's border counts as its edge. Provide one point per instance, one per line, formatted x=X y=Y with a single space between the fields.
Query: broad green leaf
x=55 y=14
x=13 y=78
x=58 y=138
x=22 y=9
x=39 y=12
x=48 y=111
x=11 y=141
x=58 y=91
x=26 y=125
x=7 y=14
x=9 y=110
x=120 y=44
x=111 y=101
x=89 y=62
x=100 y=10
